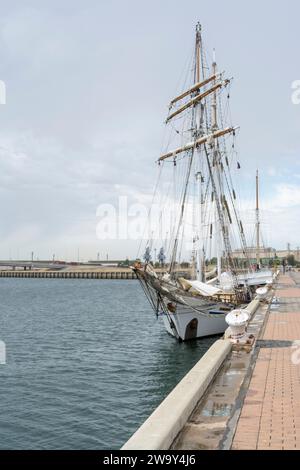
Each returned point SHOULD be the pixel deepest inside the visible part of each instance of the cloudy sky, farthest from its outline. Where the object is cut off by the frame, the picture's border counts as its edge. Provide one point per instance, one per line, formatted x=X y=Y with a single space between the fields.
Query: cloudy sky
x=88 y=83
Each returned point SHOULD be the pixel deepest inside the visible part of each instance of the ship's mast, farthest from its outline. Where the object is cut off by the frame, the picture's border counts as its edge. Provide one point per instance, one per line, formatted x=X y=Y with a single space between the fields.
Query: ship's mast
x=214 y=128
x=201 y=136
x=257 y=225
x=214 y=124
x=194 y=131
x=200 y=256
x=200 y=272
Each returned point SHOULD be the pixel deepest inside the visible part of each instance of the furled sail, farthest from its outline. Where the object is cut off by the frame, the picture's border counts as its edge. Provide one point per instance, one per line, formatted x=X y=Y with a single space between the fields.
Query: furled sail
x=198 y=98
x=204 y=289
x=200 y=141
x=194 y=88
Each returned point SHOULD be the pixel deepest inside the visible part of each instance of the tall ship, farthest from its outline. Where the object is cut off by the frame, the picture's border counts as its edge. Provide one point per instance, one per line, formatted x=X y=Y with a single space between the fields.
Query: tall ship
x=197 y=214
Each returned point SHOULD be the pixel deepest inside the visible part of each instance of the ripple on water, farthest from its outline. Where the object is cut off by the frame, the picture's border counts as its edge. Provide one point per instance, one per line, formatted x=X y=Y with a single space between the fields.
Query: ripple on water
x=87 y=362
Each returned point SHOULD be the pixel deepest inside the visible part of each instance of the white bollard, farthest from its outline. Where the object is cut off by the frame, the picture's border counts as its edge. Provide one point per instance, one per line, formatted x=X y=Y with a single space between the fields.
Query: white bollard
x=237 y=321
x=262 y=293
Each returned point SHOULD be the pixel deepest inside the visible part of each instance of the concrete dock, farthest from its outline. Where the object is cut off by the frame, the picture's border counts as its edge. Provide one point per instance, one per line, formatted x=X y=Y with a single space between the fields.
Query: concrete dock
x=250 y=398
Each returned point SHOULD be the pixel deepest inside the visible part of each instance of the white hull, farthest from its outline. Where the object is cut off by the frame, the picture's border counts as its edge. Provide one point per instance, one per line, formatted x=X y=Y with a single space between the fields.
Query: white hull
x=185 y=316
x=189 y=324
x=259 y=278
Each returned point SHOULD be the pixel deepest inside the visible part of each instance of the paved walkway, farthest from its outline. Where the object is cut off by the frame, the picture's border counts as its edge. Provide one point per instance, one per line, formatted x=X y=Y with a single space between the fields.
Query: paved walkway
x=270 y=416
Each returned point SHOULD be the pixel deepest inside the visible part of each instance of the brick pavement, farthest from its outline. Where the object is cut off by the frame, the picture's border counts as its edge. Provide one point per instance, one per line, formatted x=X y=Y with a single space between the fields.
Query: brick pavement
x=270 y=415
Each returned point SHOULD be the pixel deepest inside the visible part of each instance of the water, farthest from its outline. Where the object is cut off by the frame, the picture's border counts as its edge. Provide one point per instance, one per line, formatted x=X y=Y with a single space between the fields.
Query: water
x=87 y=362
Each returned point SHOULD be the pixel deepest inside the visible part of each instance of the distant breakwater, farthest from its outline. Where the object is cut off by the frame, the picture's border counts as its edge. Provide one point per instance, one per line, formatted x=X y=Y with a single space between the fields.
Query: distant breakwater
x=70 y=274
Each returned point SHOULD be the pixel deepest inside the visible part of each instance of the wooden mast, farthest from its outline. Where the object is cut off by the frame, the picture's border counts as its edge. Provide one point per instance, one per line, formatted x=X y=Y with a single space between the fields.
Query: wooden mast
x=214 y=127
x=191 y=147
x=200 y=276
x=214 y=101
x=257 y=222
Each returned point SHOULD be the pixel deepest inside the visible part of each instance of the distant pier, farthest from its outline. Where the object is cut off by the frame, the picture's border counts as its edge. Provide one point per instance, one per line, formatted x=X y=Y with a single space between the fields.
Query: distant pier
x=77 y=272
x=128 y=274
x=50 y=269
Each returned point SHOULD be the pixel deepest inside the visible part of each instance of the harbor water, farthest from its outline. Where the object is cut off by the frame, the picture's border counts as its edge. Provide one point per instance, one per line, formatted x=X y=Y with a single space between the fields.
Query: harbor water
x=86 y=363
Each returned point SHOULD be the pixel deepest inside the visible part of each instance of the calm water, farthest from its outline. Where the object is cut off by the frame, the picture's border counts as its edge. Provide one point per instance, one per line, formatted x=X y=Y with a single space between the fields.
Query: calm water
x=87 y=362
